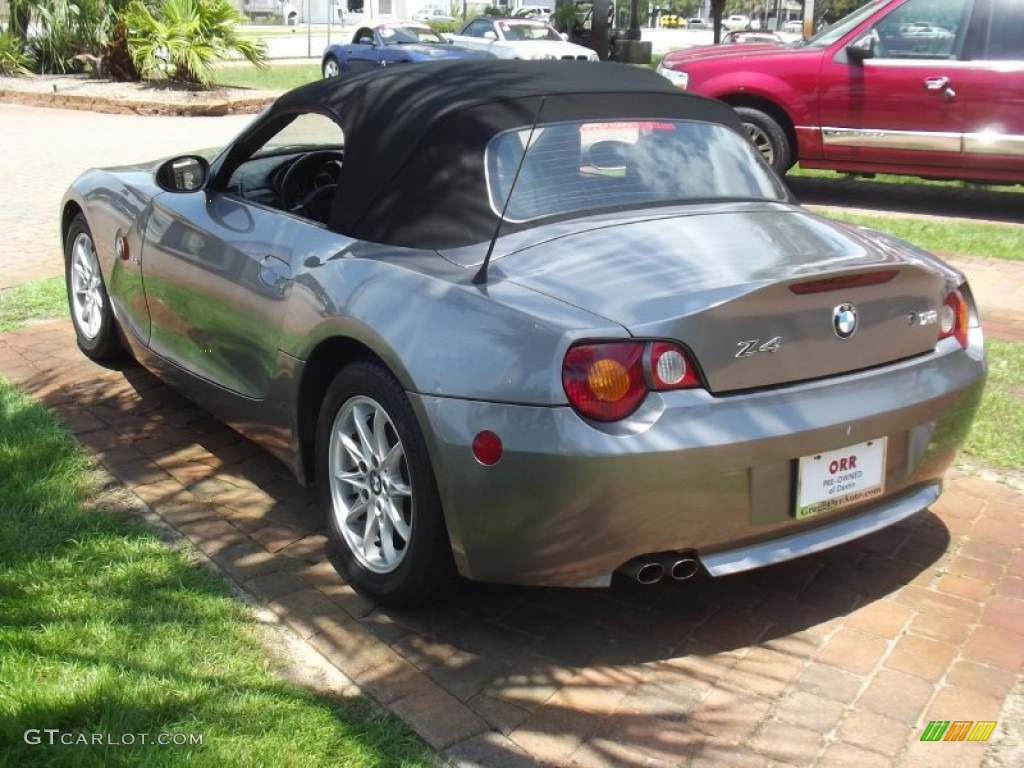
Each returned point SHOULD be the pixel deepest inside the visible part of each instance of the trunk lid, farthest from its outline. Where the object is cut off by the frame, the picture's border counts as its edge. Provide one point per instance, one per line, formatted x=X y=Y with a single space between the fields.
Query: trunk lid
x=761 y=294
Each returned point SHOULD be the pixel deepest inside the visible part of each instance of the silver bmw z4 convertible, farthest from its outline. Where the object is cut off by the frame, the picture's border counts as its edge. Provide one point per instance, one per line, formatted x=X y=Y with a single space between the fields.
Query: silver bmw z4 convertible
x=533 y=323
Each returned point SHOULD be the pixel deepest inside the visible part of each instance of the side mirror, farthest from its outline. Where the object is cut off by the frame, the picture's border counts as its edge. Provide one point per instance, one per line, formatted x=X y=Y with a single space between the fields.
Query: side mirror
x=862 y=49
x=488 y=35
x=183 y=174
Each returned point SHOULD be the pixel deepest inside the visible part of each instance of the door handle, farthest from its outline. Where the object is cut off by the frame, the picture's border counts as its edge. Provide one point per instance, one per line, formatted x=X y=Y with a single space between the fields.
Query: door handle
x=942 y=84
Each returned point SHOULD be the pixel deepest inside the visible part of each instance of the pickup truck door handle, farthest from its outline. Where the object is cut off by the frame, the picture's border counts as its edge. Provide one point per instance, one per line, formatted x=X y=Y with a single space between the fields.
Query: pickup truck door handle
x=940 y=84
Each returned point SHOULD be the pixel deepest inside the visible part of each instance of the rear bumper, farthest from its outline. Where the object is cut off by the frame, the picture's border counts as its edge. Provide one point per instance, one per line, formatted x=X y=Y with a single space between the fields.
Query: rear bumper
x=799 y=544
x=572 y=501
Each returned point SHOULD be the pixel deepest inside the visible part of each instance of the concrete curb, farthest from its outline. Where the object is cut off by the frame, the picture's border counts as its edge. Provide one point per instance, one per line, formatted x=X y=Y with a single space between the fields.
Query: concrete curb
x=205 y=108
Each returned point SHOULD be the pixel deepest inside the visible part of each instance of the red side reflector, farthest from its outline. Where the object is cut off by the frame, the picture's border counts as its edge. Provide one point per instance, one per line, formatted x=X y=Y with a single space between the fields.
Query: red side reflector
x=487 y=448
x=844 y=282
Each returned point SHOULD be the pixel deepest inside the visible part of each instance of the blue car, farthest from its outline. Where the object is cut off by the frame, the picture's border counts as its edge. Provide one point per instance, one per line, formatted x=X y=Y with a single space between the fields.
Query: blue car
x=389 y=44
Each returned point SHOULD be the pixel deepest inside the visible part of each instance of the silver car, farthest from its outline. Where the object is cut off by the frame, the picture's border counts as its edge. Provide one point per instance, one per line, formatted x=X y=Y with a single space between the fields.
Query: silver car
x=533 y=323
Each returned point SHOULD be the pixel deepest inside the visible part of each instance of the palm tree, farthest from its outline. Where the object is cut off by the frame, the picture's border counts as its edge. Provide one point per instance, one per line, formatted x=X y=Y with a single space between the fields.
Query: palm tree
x=183 y=38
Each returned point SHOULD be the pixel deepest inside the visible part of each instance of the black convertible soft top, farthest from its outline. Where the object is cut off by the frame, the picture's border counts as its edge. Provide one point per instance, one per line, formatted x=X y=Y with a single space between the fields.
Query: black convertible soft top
x=415 y=135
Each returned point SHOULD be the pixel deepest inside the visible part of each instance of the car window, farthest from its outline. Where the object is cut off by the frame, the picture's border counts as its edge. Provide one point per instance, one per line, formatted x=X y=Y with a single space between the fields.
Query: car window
x=309 y=130
x=573 y=167
x=525 y=30
x=477 y=28
x=1006 y=32
x=921 y=29
x=394 y=35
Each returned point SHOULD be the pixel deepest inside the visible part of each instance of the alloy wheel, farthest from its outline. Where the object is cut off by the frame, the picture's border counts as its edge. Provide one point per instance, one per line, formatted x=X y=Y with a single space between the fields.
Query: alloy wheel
x=87 y=295
x=762 y=142
x=371 y=490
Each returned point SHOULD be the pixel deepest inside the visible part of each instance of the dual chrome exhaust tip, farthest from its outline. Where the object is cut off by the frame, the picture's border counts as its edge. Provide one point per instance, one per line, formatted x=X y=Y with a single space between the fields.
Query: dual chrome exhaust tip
x=650 y=569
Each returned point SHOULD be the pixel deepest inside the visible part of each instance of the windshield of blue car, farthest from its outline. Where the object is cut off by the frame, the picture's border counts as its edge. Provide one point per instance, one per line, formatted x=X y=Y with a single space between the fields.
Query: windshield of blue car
x=528 y=30
x=408 y=33
x=575 y=166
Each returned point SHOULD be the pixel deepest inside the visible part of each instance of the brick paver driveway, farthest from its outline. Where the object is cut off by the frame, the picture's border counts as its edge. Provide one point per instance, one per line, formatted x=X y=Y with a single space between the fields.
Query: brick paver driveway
x=838 y=659
x=45 y=149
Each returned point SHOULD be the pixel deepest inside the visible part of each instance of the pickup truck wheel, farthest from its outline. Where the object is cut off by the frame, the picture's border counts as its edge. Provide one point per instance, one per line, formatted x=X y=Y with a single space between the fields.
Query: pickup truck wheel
x=768 y=137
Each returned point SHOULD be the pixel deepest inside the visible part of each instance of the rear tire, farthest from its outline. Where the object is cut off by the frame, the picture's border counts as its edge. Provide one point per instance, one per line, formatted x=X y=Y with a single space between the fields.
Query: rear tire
x=95 y=327
x=768 y=138
x=377 y=486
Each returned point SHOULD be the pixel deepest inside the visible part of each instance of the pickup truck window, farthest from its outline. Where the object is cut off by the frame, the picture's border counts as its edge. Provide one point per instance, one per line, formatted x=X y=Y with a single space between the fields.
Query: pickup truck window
x=1006 y=32
x=921 y=29
x=831 y=34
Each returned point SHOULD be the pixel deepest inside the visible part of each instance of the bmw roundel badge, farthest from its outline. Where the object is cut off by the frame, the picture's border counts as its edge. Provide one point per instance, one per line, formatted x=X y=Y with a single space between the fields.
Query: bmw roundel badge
x=844 y=320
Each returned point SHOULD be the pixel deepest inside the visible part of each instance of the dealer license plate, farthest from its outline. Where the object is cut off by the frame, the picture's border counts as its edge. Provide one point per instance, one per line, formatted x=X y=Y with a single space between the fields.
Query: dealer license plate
x=836 y=479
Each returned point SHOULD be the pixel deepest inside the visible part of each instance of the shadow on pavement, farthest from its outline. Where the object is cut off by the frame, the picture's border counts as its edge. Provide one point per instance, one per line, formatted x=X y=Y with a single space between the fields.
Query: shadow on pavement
x=685 y=668
x=973 y=202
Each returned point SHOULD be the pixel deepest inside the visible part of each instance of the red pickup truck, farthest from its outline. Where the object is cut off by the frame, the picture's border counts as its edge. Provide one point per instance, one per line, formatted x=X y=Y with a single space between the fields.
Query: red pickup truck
x=930 y=88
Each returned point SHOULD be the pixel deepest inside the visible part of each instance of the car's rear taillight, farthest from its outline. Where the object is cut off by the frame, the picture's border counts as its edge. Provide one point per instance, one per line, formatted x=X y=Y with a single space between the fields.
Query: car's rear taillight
x=670 y=367
x=954 y=318
x=607 y=381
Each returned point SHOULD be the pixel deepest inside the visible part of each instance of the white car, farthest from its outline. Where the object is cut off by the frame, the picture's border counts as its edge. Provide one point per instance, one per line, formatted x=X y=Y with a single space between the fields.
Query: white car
x=432 y=14
x=795 y=26
x=511 y=38
x=925 y=29
x=538 y=12
x=737 y=22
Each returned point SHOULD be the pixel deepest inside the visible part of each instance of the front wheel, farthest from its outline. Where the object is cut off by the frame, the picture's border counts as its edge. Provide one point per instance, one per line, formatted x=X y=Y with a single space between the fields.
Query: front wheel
x=331 y=67
x=384 y=516
x=768 y=137
x=91 y=314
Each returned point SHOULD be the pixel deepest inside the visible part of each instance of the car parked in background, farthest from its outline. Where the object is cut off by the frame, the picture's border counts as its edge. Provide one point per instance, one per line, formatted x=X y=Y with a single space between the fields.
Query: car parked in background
x=538 y=12
x=389 y=44
x=433 y=14
x=697 y=23
x=930 y=88
x=794 y=26
x=510 y=38
x=751 y=37
x=536 y=323
x=737 y=21
x=925 y=29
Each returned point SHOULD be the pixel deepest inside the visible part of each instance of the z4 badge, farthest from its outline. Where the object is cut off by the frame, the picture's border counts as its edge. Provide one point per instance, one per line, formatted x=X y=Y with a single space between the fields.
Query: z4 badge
x=753 y=346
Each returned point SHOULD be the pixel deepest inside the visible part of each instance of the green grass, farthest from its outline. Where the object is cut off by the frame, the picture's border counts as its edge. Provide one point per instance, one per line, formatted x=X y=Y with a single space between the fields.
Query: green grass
x=997 y=437
x=38 y=300
x=106 y=630
x=278 y=77
x=1001 y=241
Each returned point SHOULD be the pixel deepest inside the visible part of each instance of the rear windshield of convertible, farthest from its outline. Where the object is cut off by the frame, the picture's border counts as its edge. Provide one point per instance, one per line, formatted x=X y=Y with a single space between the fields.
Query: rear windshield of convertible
x=578 y=166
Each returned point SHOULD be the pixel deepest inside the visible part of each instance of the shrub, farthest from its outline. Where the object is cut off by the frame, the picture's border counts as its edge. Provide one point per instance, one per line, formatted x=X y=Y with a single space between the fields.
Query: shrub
x=442 y=27
x=13 y=60
x=182 y=39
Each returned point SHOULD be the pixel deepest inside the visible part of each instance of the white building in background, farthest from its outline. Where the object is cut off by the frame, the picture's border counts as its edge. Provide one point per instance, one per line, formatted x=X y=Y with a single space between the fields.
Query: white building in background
x=350 y=12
